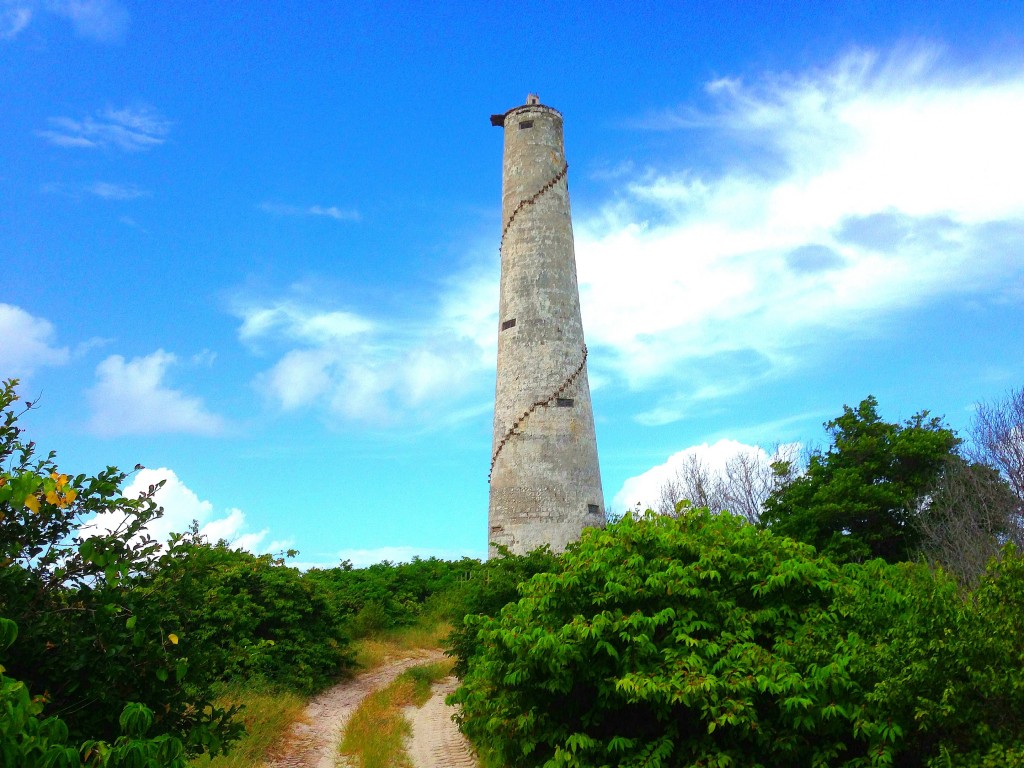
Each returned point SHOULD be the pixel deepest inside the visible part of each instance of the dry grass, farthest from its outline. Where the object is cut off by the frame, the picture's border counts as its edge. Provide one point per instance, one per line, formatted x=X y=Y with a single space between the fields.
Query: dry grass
x=267 y=715
x=376 y=734
x=372 y=652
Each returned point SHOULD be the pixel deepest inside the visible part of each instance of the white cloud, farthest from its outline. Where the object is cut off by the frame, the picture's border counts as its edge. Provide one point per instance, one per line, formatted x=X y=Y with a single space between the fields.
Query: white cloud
x=326 y=211
x=104 y=21
x=643 y=490
x=379 y=371
x=131 y=129
x=850 y=193
x=27 y=342
x=111 y=191
x=181 y=507
x=131 y=398
x=13 y=19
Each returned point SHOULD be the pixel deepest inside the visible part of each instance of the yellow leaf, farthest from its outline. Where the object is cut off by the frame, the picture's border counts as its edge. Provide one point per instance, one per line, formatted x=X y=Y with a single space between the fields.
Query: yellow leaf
x=62 y=480
x=53 y=475
x=52 y=498
x=173 y=638
x=70 y=495
x=32 y=503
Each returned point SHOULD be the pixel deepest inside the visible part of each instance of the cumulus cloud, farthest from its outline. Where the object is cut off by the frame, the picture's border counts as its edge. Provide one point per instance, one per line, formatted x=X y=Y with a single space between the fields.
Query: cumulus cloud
x=644 y=490
x=131 y=398
x=181 y=507
x=326 y=211
x=375 y=370
x=850 y=193
x=130 y=129
x=27 y=342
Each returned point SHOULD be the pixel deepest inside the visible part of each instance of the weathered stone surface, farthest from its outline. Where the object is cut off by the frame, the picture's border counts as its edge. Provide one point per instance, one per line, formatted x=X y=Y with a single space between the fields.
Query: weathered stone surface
x=545 y=479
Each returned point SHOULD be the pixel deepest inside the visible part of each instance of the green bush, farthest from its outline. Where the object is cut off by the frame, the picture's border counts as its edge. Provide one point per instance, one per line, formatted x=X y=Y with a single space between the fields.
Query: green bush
x=28 y=739
x=248 y=615
x=495 y=584
x=387 y=595
x=703 y=641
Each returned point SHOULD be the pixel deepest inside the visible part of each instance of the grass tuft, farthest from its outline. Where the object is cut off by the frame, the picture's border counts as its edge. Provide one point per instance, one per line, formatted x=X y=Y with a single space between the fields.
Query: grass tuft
x=269 y=711
x=376 y=734
x=372 y=652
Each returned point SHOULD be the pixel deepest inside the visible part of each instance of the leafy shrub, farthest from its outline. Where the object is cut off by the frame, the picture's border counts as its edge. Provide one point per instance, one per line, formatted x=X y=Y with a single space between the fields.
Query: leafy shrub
x=387 y=595
x=248 y=615
x=705 y=641
x=495 y=584
x=28 y=739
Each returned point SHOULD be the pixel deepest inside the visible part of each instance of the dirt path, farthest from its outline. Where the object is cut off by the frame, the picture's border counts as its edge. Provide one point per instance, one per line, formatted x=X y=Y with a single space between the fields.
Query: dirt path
x=313 y=741
x=436 y=741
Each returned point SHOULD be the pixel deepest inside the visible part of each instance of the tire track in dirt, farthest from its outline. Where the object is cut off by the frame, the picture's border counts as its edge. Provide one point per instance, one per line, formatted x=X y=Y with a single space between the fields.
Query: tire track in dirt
x=313 y=741
x=436 y=741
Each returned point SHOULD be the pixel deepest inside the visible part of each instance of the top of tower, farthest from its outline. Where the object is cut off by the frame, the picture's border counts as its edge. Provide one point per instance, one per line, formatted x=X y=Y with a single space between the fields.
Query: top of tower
x=532 y=101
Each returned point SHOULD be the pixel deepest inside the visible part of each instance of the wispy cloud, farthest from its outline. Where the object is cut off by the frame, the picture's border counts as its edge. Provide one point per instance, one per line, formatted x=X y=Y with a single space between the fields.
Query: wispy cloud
x=872 y=187
x=131 y=397
x=110 y=191
x=326 y=211
x=14 y=17
x=377 y=370
x=851 y=194
x=103 y=189
x=105 y=21
x=27 y=342
x=130 y=129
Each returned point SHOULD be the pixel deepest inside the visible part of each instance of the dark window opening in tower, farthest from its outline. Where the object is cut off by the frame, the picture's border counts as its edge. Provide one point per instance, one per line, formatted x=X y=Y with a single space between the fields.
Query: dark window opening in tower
x=526 y=124
x=508 y=324
x=564 y=402
x=593 y=509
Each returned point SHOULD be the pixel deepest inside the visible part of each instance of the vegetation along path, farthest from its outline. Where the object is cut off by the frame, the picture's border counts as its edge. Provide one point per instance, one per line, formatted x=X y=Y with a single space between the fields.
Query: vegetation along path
x=313 y=741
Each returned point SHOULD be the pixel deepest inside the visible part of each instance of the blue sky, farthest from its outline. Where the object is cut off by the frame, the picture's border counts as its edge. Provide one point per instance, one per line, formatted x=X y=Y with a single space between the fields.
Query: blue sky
x=255 y=247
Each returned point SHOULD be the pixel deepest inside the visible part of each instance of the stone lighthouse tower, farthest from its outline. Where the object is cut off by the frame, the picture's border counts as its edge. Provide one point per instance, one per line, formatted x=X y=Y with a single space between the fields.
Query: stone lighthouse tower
x=545 y=479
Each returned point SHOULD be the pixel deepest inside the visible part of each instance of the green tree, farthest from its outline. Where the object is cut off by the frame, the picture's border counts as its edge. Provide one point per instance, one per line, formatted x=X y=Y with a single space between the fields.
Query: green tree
x=858 y=499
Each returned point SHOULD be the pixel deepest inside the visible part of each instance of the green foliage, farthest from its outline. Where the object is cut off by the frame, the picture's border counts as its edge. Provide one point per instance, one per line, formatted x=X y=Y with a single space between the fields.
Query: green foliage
x=858 y=499
x=248 y=615
x=388 y=595
x=495 y=584
x=28 y=739
x=704 y=641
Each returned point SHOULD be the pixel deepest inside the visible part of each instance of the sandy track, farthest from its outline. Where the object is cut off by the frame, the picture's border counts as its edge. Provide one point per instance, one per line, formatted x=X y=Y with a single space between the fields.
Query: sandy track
x=313 y=741
x=436 y=741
